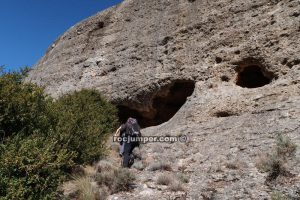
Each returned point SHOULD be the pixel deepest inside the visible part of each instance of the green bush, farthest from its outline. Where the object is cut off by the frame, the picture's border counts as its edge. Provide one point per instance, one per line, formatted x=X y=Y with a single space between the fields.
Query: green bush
x=41 y=139
x=23 y=107
x=84 y=120
x=33 y=168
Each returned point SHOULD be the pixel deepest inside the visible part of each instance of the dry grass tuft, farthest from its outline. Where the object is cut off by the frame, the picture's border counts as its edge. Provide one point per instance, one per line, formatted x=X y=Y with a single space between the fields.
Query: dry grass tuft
x=138 y=165
x=116 y=180
x=160 y=165
x=105 y=178
x=164 y=179
x=275 y=162
x=123 y=180
x=176 y=186
x=279 y=196
x=104 y=166
x=183 y=178
x=87 y=190
x=285 y=147
x=70 y=190
x=89 y=170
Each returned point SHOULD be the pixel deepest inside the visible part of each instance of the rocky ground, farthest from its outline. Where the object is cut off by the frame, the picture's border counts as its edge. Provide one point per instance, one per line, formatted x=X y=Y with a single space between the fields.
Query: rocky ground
x=240 y=60
x=221 y=155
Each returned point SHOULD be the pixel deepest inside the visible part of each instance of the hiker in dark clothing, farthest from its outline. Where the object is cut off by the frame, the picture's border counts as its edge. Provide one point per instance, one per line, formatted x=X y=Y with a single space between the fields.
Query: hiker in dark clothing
x=128 y=132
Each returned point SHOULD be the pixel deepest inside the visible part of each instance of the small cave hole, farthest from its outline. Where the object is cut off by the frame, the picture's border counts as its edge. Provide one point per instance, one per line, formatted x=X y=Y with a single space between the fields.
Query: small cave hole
x=224 y=114
x=225 y=78
x=252 y=76
x=218 y=60
x=237 y=52
x=100 y=24
x=165 y=104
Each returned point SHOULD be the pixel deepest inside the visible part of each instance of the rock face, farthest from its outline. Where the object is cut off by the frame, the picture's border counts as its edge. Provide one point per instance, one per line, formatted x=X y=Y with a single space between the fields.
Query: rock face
x=225 y=73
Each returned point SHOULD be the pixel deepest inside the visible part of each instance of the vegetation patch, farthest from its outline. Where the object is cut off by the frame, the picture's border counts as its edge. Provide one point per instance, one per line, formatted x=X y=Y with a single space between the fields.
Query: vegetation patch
x=285 y=147
x=41 y=140
x=183 y=178
x=164 y=179
x=160 y=165
x=116 y=180
x=279 y=196
x=176 y=186
x=274 y=163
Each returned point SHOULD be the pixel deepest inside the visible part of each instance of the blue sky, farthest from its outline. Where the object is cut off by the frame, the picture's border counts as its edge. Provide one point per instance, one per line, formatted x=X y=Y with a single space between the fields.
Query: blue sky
x=28 y=27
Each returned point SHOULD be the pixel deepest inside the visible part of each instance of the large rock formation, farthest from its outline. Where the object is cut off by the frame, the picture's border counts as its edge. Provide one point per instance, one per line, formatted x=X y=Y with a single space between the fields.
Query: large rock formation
x=226 y=73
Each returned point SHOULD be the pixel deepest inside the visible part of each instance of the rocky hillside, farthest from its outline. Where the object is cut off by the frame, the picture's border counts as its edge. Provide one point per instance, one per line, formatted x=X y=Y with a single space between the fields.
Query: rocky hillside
x=225 y=73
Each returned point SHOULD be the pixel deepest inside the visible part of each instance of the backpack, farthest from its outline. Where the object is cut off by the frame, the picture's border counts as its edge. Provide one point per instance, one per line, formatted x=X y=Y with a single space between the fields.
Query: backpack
x=133 y=128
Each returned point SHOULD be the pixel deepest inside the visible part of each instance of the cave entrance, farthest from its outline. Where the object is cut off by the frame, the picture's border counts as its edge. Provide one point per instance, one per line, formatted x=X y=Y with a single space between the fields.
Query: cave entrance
x=252 y=76
x=165 y=104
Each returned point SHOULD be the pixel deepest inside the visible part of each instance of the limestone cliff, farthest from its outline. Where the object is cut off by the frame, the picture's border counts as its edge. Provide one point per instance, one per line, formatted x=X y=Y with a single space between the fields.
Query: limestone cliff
x=226 y=73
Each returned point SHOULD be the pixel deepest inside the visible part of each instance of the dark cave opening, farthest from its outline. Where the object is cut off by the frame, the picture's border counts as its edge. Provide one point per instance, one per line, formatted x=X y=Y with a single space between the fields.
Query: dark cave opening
x=223 y=114
x=252 y=76
x=165 y=104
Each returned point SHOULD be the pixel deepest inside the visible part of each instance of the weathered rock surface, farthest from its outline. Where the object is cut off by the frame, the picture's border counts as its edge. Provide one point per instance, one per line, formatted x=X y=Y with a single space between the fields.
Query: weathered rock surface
x=243 y=57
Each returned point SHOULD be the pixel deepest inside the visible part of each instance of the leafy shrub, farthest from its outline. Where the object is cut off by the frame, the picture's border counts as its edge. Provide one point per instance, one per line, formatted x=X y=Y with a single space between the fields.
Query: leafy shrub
x=32 y=168
x=84 y=120
x=41 y=140
x=23 y=107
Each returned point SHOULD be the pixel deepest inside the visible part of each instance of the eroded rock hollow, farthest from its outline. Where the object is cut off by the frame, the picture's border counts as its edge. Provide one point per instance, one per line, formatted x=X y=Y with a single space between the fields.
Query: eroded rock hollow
x=164 y=104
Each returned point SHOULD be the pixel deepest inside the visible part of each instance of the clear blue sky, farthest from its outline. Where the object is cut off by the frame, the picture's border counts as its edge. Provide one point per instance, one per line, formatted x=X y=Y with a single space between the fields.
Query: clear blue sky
x=28 y=27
